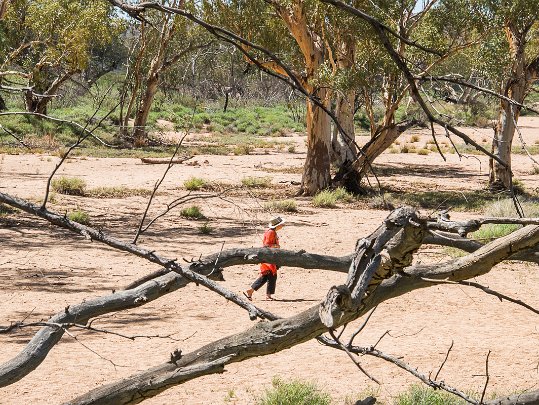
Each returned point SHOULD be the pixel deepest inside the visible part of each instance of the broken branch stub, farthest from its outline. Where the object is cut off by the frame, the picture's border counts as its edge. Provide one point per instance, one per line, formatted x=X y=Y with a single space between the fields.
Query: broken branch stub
x=384 y=253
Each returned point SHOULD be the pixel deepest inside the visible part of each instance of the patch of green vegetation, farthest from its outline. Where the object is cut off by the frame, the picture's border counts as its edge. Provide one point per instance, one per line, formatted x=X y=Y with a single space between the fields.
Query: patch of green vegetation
x=195 y=183
x=69 y=186
x=422 y=395
x=504 y=208
x=281 y=206
x=294 y=392
x=192 y=212
x=329 y=198
x=457 y=201
x=256 y=182
x=342 y=195
x=116 y=192
x=80 y=216
x=206 y=228
x=6 y=210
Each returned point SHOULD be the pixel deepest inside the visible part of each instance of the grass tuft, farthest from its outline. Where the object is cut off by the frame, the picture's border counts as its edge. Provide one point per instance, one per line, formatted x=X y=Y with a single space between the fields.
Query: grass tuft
x=69 y=186
x=256 y=182
x=329 y=198
x=421 y=395
x=80 y=216
x=281 y=206
x=504 y=208
x=116 y=192
x=192 y=212
x=194 y=183
x=205 y=228
x=294 y=392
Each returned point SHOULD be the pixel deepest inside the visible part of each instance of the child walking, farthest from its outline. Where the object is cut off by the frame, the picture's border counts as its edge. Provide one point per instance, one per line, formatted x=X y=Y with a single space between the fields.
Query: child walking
x=268 y=271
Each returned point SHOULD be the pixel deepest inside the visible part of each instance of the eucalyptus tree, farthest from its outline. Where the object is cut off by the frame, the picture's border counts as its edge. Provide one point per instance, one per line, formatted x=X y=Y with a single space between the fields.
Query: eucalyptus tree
x=163 y=40
x=518 y=22
x=49 y=41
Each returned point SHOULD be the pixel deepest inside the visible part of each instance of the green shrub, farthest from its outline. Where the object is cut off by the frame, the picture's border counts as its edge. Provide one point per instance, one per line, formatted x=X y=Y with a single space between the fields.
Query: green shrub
x=194 y=183
x=116 y=192
x=504 y=208
x=79 y=216
x=192 y=212
x=69 y=186
x=423 y=151
x=281 y=206
x=342 y=195
x=5 y=210
x=421 y=395
x=256 y=182
x=294 y=392
x=325 y=199
x=206 y=229
x=329 y=198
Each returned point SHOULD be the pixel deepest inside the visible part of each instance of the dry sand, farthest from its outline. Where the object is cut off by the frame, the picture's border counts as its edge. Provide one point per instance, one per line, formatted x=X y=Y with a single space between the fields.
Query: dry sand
x=43 y=269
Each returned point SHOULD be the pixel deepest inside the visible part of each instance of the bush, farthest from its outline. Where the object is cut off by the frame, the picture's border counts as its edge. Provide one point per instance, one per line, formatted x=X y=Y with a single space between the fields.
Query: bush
x=5 y=210
x=69 y=186
x=79 y=216
x=256 y=182
x=342 y=195
x=194 y=183
x=325 y=199
x=192 y=212
x=420 y=395
x=281 y=206
x=294 y=392
x=329 y=198
x=504 y=208
x=206 y=229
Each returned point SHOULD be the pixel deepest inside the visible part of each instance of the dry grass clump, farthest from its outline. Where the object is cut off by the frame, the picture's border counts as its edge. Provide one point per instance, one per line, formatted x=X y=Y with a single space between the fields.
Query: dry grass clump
x=281 y=206
x=69 y=186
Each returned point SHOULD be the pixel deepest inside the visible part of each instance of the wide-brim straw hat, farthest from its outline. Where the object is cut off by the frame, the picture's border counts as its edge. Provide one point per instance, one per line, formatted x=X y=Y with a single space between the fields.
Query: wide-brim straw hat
x=275 y=222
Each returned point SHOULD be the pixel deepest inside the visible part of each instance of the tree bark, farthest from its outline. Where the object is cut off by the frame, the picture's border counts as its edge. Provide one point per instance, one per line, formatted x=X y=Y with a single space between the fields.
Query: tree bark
x=516 y=87
x=316 y=170
x=269 y=337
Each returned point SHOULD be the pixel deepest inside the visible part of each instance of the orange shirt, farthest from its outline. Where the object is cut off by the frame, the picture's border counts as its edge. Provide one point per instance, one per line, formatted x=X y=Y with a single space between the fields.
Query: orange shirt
x=271 y=240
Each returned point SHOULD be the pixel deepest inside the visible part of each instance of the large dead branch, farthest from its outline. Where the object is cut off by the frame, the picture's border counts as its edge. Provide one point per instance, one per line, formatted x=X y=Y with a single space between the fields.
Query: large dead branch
x=270 y=337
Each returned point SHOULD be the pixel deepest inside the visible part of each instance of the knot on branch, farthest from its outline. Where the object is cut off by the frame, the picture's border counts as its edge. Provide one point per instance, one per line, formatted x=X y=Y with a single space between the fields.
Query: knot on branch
x=338 y=301
x=175 y=356
x=141 y=300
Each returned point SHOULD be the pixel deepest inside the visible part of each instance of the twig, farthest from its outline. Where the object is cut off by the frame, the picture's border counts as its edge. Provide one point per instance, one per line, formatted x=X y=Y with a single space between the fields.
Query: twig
x=352 y=357
x=160 y=181
x=485 y=289
x=361 y=327
x=371 y=351
x=14 y=136
x=443 y=363
x=487 y=376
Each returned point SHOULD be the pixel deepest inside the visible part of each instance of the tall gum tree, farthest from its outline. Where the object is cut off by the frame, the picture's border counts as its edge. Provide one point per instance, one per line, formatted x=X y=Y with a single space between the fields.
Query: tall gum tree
x=520 y=27
x=316 y=170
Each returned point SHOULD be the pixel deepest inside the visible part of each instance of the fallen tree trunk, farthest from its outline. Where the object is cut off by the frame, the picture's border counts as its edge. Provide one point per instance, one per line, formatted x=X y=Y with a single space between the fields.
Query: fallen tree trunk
x=270 y=337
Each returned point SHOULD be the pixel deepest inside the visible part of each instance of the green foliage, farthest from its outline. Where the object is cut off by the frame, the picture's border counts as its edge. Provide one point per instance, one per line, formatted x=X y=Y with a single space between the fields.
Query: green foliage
x=329 y=198
x=206 y=228
x=325 y=199
x=294 y=392
x=6 y=210
x=192 y=212
x=281 y=206
x=421 y=395
x=116 y=192
x=69 y=186
x=194 y=183
x=256 y=182
x=504 y=208
x=80 y=216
